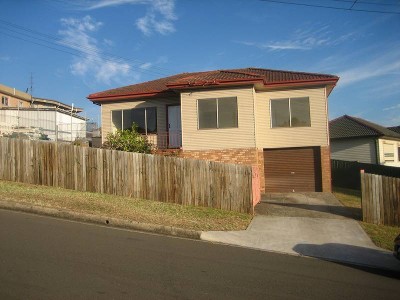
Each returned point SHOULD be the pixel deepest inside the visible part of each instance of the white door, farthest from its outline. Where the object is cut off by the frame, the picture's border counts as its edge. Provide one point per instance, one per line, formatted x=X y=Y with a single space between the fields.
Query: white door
x=174 y=127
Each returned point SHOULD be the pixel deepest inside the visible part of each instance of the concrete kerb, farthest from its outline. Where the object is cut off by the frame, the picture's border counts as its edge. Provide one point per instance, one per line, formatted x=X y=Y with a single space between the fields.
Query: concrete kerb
x=100 y=220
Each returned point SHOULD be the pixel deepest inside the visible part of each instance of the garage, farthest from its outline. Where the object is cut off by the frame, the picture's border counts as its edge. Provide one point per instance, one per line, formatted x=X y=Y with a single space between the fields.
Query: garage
x=292 y=170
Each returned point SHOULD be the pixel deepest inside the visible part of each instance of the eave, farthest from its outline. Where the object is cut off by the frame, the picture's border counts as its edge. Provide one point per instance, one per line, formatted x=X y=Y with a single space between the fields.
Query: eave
x=95 y=99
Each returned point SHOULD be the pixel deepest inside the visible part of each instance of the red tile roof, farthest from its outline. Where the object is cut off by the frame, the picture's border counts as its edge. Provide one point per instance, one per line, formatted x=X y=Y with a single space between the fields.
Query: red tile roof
x=168 y=85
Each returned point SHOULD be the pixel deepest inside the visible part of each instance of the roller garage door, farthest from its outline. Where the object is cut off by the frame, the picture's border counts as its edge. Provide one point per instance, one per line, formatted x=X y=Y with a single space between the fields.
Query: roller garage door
x=292 y=170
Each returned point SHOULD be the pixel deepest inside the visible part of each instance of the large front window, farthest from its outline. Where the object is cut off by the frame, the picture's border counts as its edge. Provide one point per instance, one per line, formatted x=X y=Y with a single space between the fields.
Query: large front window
x=290 y=112
x=217 y=113
x=144 y=118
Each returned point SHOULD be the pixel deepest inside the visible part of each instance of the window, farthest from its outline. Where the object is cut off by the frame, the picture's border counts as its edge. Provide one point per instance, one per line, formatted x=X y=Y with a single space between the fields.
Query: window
x=4 y=100
x=217 y=113
x=388 y=152
x=398 y=153
x=144 y=118
x=290 y=112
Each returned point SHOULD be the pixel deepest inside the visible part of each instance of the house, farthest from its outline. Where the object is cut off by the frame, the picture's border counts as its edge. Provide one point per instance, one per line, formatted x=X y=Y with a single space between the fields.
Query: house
x=395 y=129
x=356 y=139
x=23 y=114
x=276 y=120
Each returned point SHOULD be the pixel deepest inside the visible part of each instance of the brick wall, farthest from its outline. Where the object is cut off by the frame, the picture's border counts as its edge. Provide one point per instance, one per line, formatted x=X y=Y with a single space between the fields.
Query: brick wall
x=326 y=169
x=246 y=156
x=260 y=164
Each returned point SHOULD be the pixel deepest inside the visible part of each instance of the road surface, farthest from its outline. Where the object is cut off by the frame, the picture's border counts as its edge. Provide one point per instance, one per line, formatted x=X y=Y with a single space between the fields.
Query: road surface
x=47 y=258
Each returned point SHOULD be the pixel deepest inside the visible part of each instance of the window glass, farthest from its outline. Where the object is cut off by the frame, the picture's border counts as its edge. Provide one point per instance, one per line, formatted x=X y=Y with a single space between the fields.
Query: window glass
x=300 y=112
x=280 y=113
x=116 y=116
x=127 y=117
x=138 y=115
x=227 y=112
x=151 y=120
x=207 y=111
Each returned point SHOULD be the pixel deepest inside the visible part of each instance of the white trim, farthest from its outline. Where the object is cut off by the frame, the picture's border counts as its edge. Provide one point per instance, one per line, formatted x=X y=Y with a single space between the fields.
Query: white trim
x=290 y=111
x=217 y=112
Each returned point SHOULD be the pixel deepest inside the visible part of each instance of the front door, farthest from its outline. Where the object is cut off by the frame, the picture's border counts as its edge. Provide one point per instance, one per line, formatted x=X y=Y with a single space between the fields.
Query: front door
x=174 y=126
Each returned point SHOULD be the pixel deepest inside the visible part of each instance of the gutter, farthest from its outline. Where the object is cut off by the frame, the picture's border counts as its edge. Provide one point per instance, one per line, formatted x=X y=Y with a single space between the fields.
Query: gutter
x=94 y=99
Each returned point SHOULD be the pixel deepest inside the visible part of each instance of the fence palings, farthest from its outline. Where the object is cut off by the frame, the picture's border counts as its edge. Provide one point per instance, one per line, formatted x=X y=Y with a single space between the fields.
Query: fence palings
x=153 y=177
x=380 y=199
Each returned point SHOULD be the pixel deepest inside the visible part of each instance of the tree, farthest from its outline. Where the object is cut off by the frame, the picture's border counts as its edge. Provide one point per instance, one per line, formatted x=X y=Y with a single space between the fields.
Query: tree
x=129 y=140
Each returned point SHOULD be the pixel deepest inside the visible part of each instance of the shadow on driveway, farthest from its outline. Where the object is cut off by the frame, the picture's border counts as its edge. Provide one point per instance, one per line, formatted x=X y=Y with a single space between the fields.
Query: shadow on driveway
x=361 y=258
x=312 y=205
x=272 y=208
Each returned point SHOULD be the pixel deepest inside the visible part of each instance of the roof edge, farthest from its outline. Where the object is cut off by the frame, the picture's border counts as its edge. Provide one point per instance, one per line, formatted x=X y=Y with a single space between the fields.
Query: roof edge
x=215 y=83
x=92 y=98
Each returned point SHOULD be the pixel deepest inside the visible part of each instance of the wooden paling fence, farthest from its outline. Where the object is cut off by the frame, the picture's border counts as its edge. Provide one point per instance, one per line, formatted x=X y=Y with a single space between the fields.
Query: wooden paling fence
x=380 y=199
x=153 y=177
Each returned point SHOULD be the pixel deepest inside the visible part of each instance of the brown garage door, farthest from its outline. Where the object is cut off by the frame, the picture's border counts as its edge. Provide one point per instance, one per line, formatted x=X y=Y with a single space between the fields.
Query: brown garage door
x=292 y=170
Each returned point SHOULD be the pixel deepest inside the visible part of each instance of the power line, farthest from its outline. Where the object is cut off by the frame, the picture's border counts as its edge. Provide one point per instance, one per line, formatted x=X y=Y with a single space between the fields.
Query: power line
x=77 y=54
x=331 y=7
x=368 y=3
x=354 y=3
x=72 y=48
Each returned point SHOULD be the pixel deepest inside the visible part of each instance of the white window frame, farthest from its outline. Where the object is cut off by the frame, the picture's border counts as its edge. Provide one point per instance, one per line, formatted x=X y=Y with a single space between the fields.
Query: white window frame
x=198 y=118
x=145 y=118
x=388 y=156
x=290 y=111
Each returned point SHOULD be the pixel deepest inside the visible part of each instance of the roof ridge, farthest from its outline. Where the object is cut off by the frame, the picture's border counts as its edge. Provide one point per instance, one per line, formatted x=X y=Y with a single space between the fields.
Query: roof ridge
x=190 y=74
x=382 y=130
x=337 y=118
x=236 y=71
x=293 y=72
x=361 y=120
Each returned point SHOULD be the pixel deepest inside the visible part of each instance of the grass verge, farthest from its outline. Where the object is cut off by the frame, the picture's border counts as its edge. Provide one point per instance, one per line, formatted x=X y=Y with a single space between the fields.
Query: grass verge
x=381 y=235
x=145 y=211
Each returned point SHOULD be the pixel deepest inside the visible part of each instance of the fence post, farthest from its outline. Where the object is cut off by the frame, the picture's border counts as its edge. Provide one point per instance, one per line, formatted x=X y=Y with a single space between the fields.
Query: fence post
x=255 y=180
x=363 y=202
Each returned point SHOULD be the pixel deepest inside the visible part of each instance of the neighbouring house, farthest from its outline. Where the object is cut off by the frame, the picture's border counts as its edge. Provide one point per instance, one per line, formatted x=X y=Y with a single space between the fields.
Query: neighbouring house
x=356 y=139
x=276 y=120
x=395 y=129
x=23 y=114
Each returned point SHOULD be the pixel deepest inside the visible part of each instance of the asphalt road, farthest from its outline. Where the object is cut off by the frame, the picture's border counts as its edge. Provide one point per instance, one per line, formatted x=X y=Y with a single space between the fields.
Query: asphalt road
x=46 y=258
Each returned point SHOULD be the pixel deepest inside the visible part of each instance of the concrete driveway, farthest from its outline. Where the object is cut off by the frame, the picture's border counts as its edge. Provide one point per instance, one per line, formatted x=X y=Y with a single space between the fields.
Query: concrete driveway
x=309 y=224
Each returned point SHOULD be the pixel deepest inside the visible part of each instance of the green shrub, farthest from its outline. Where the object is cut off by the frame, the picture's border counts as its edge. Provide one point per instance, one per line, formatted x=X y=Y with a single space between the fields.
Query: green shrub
x=128 y=140
x=80 y=142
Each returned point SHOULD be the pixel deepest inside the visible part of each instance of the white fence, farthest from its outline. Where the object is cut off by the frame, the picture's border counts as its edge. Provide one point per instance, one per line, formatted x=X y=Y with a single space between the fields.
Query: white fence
x=42 y=124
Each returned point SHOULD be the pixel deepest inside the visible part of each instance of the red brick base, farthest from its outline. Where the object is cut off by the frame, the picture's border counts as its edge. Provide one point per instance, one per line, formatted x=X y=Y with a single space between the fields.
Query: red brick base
x=326 y=169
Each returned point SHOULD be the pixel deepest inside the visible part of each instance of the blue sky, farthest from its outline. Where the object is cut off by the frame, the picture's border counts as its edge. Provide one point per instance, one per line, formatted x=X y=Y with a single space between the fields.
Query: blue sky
x=110 y=43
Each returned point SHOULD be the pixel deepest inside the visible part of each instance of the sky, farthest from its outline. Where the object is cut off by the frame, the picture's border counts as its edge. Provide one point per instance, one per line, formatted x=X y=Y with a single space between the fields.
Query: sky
x=73 y=48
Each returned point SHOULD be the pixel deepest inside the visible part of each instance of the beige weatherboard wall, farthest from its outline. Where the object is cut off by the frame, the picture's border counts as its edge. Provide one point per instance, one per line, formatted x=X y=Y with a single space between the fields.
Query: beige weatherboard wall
x=315 y=135
x=194 y=138
x=160 y=103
